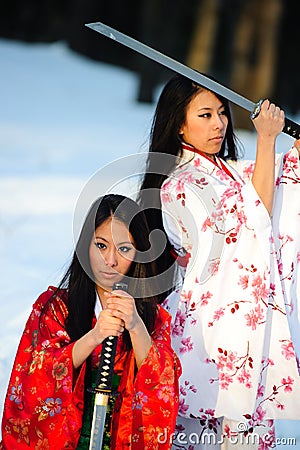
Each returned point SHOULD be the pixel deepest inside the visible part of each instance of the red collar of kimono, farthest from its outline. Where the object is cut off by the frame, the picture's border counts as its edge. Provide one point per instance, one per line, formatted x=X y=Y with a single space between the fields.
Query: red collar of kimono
x=195 y=150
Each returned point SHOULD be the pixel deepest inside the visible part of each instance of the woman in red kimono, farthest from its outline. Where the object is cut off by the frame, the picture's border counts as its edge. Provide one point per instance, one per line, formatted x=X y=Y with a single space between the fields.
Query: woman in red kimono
x=48 y=405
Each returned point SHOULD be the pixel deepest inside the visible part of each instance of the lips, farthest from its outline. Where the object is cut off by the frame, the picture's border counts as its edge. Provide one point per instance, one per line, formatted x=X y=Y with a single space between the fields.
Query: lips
x=217 y=138
x=109 y=274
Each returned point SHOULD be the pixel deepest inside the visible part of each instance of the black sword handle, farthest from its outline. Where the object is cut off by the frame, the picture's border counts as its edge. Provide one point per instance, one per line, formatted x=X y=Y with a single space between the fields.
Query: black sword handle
x=291 y=128
x=107 y=357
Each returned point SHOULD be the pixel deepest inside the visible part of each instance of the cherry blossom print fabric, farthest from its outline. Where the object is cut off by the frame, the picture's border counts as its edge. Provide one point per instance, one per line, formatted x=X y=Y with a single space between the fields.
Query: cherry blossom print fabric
x=235 y=320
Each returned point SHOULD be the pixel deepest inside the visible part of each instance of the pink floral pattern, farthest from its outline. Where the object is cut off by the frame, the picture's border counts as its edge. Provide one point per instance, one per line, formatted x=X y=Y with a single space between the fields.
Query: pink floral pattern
x=235 y=325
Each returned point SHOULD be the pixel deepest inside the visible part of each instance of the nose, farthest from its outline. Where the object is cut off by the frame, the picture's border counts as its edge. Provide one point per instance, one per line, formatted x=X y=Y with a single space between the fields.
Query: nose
x=218 y=122
x=111 y=258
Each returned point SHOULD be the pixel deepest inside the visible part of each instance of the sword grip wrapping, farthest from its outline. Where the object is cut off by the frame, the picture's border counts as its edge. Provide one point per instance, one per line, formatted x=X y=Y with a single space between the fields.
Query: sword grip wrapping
x=107 y=357
x=106 y=364
x=291 y=128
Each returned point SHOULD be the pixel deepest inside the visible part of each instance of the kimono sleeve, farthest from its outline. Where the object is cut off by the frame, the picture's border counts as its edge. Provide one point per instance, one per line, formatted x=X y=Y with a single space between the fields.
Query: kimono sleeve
x=286 y=225
x=155 y=396
x=245 y=167
x=42 y=410
x=150 y=399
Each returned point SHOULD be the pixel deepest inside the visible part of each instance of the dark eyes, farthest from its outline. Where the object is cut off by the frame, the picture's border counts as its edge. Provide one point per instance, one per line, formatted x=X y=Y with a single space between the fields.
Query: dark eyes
x=100 y=245
x=208 y=115
x=125 y=249
x=122 y=249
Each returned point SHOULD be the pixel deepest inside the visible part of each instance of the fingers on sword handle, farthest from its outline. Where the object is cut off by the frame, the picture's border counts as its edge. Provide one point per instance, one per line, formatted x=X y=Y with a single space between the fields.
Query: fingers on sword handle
x=291 y=128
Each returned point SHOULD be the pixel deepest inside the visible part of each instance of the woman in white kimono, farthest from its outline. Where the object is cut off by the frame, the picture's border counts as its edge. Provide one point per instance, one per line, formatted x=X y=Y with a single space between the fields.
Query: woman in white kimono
x=234 y=225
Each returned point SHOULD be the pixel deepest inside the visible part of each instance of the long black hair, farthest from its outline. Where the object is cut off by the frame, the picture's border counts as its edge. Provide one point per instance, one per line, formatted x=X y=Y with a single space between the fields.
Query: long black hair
x=79 y=280
x=164 y=149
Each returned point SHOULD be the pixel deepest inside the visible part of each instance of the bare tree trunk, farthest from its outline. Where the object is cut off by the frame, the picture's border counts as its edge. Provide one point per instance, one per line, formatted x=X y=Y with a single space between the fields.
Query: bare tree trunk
x=165 y=25
x=150 y=33
x=255 y=53
x=202 y=44
x=263 y=80
x=287 y=81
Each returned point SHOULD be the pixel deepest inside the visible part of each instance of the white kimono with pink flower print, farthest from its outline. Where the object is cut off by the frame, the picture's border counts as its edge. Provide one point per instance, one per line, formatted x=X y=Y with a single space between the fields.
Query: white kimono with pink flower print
x=236 y=321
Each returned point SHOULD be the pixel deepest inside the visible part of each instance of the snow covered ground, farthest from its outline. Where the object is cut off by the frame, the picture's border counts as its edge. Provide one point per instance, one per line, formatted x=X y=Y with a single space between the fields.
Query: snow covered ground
x=70 y=130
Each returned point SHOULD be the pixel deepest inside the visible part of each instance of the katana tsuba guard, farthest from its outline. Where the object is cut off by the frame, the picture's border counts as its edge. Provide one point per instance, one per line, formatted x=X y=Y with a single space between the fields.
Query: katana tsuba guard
x=256 y=110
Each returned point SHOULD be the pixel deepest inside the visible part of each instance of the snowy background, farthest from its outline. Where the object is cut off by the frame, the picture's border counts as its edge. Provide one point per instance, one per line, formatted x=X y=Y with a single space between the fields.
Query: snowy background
x=70 y=130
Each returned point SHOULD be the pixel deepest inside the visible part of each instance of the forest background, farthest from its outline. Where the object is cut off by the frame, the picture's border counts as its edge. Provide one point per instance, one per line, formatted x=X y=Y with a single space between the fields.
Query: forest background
x=250 y=46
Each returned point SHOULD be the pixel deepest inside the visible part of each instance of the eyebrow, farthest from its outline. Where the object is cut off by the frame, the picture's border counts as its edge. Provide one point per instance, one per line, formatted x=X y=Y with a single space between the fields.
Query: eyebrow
x=126 y=242
x=119 y=243
x=100 y=237
x=204 y=109
x=208 y=108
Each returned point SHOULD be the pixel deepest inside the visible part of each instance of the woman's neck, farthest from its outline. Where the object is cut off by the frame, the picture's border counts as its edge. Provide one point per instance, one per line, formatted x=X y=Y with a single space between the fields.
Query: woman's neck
x=199 y=152
x=101 y=296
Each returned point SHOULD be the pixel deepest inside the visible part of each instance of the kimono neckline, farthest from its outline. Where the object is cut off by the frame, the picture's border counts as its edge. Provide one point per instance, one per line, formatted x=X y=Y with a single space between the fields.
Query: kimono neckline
x=98 y=306
x=217 y=162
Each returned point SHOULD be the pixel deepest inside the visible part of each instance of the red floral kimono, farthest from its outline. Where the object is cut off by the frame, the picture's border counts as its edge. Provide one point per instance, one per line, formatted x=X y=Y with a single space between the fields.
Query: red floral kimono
x=43 y=411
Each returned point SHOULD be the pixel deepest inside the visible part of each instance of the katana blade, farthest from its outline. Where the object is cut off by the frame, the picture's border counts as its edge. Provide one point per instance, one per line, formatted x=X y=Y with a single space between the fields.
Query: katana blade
x=98 y=423
x=103 y=391
x=171 y=64
x=291 y=128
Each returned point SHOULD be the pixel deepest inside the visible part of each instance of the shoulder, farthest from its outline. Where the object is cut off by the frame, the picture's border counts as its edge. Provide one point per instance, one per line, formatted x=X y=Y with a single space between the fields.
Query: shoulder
x=52 y=302
x=162 y=328
x=163 y=316
x=176 y=181
x=180 y=169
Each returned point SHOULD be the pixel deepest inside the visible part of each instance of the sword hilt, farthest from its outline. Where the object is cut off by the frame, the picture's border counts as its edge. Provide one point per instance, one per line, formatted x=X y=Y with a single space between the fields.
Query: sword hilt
x=256 y=110
x=106 y=365
x=291 y=128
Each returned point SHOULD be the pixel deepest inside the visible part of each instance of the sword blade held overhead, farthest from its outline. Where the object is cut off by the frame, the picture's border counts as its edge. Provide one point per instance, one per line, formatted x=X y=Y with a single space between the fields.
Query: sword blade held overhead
x=291 y=128
x=171 y=64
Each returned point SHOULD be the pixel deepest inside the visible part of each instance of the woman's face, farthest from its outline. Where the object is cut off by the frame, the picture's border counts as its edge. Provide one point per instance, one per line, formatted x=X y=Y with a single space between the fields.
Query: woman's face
x=111 y=253
x=205 y=123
